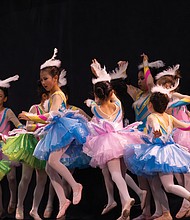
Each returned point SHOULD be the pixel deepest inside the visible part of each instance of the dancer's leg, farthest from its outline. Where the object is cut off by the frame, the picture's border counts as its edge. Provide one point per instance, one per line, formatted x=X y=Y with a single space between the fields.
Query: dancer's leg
x=126 y=200
x=41 y=178
x=54 y=162
x=170 y=187
x=23 y=188
x=11 y=177
x=57 y=184
x=49 y=207
x=109 y=189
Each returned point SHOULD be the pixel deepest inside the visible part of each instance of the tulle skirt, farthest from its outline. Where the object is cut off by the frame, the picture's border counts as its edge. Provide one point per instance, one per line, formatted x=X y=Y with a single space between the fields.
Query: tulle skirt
x=156 y=156
x=20 y=147
x=182 y=138
x=74 y=157
x=63 y=129
x=4 y=168
x=106 y=143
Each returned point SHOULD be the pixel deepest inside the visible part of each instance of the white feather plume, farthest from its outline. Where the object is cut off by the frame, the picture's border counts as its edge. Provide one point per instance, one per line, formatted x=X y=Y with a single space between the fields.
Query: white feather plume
x=52 y=61
x=119 y=72
x=161 y=89
x=100 y=73
x=170 y=71
x=6 y=83
x=62 y=79
x=156 y=64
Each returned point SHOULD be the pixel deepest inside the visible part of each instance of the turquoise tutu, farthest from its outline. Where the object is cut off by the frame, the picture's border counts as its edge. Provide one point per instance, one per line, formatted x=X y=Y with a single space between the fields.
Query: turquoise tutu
x=157 y=155
x=64 y=128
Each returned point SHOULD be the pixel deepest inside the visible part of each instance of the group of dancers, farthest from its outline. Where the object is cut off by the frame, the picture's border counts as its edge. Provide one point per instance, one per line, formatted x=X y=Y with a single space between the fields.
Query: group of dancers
x=59 y=137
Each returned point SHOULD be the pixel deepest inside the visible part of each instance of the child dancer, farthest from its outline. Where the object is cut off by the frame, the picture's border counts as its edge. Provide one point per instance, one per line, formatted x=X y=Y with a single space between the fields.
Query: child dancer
x=106 y=142
x=6 y=118
x=71 y=159
x=117 y=81
x=24 y=153
x=141 y=97
x=160 y=156
x=177 y=107
x=64 y=127
x=4 y=170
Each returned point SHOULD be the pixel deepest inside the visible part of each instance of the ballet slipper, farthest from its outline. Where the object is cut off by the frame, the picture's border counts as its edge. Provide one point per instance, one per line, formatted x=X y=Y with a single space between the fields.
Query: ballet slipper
x=63 y=209
x=126 y=210
x=181 y=213
x=48 y=212
x=143 y=199
x=19 y=214
x=188 y=213
x=77 y=194
x=34 y=215
x=165 y=216
x=142 y=217
x=11 y=207
x=109 y=207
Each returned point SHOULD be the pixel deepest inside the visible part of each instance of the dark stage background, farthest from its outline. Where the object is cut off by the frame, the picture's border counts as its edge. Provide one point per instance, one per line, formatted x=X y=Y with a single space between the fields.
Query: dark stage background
x=82 y=30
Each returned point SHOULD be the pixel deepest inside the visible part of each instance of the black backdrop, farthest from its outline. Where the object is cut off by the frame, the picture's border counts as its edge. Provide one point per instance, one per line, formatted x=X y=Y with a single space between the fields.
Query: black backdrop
x=81 y=30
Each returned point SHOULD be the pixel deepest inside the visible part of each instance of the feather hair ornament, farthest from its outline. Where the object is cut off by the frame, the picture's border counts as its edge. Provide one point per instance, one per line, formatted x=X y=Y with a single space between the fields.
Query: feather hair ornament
x=119 y=72
x=62 y=79
x=99 y=72
x=52 y=61
x=170 y=71
x=167 y=91
x=156 y=64
x=6 y=83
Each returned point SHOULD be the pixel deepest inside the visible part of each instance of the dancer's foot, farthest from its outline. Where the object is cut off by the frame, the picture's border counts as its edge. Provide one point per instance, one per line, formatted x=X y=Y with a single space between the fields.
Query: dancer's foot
x=143 y=198
x=34 y=215
x=142 y=217
x=126 y=210
x=182 y=213
x=11 y=207
x=188 y=213
x=77 y=194
x=165 y=216
x=48 y=212
x=19 y=213
x=63 y=209
x=109 y=207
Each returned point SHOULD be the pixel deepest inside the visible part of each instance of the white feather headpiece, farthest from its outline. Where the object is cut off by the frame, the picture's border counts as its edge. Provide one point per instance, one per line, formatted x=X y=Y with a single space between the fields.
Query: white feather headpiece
x=170 y=71
x=156 y=64
x=119 y=72
x=62 y=79
x=52 y=61
x=6 y=83
x=100 y=73
x=167 y=91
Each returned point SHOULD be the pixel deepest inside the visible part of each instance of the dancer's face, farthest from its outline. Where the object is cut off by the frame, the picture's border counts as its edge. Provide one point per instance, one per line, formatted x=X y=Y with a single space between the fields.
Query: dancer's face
x=141 y=81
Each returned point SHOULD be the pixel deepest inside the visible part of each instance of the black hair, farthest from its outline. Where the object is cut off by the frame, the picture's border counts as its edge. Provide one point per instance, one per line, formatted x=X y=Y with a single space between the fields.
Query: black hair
x=159 y=101
x=5 y=91
x=52 y=70
x=66 y=91
x=102 y=89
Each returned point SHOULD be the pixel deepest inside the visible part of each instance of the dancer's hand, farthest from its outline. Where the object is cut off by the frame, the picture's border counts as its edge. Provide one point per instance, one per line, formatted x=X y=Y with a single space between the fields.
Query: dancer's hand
x=157 y=134
x=22 y=116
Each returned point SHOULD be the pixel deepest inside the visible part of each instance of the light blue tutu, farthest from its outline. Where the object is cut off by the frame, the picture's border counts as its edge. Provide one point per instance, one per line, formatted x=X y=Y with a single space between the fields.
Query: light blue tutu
x=64 y=128
x=157 y=155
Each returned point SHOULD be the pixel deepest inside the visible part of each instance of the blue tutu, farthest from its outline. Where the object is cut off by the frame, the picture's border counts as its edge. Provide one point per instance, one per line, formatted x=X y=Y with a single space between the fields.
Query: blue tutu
x=64 y=128
x=74 y=157
x=157 y=155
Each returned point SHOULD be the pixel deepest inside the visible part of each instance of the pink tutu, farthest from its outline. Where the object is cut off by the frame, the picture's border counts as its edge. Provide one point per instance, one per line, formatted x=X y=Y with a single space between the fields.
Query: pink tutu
x=179 y=136
x=106 y=142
